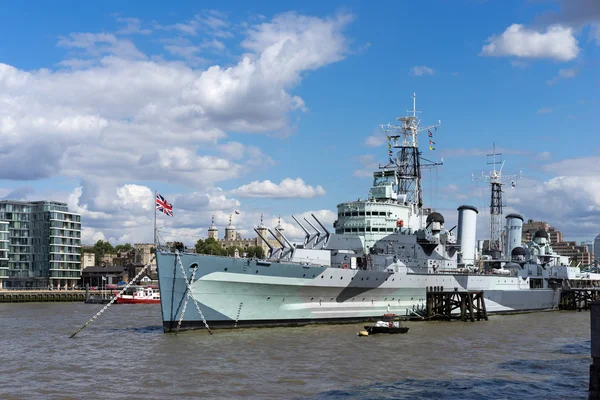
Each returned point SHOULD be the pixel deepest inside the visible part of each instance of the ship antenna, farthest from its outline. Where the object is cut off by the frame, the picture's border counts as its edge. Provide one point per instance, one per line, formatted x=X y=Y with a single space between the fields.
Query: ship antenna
x=407 y=161
x=497 y=180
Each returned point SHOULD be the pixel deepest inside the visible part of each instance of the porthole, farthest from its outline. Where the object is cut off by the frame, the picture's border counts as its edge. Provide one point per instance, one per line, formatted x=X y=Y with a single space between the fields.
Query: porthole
x=268 y=298
x=225 y=269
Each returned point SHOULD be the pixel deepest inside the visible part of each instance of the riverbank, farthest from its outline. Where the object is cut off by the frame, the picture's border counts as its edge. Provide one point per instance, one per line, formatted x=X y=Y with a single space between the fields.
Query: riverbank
x=41 y=296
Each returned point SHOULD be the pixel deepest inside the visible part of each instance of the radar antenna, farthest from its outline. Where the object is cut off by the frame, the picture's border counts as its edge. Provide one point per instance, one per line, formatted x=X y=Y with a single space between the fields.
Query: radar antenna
x=407 y=161
x=496 y=180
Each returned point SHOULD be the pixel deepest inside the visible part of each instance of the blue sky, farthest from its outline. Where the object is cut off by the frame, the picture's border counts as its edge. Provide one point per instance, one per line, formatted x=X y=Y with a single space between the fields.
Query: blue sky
x=274 y=108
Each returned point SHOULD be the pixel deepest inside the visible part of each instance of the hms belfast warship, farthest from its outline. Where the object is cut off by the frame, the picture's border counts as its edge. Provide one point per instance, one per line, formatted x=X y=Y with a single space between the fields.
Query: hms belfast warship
x=385 y=252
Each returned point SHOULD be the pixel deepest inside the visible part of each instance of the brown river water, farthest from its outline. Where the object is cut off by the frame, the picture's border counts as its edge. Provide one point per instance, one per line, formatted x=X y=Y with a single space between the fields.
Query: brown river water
x=124 y=354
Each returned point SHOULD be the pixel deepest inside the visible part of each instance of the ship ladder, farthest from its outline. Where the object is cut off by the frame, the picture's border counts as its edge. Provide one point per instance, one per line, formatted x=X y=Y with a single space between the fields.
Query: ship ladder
x=189 y=294
x=114 y=298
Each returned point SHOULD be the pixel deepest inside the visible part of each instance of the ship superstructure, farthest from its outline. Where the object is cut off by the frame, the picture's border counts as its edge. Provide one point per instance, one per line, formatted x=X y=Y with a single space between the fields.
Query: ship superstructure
x=385 y=252
x=395 y=201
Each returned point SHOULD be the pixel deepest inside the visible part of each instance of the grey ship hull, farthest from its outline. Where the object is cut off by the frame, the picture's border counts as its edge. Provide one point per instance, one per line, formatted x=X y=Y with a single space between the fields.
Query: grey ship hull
x=237 y=292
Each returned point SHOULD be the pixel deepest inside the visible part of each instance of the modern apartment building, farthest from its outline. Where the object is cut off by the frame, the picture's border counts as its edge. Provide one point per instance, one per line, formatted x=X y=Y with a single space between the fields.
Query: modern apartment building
x=3 y=251
x=44 y=242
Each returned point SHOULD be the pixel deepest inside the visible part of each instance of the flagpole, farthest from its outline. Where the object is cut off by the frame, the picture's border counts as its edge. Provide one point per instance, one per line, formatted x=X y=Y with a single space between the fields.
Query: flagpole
x=155 y=241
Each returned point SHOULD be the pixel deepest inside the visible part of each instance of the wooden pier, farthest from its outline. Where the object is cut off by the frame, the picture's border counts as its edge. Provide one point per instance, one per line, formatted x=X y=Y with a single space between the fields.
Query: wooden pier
x=38 y=296
x=578 y=298
x=43 y=296
x=443 y=304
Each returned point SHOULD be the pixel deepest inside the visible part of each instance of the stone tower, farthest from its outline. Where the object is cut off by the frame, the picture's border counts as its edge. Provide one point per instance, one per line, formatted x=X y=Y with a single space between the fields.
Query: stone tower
x=213 y=232
x=279 y=230
x=262 y=229
x=230 y=233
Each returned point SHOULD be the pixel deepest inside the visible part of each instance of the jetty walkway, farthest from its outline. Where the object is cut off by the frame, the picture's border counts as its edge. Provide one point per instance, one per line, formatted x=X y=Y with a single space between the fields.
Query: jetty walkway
x=30 y=296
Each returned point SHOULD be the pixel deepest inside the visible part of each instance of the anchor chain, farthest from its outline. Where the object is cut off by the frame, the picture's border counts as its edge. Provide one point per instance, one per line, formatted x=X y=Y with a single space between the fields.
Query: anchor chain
x=114 y=298
x=189 y=292
x=187 y=298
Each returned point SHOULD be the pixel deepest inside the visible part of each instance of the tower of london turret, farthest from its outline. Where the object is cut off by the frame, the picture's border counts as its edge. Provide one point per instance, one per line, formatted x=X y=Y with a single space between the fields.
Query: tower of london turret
x=213 y=232
x=279 y=230
x=230 y=233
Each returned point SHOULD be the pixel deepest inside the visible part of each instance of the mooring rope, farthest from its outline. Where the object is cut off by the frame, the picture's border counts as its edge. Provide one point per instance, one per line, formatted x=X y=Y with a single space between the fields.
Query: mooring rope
x=189 y=291
x=114 y=298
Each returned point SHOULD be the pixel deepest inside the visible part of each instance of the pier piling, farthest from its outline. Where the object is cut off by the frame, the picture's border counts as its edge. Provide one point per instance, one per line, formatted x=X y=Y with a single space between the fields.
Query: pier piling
x=578 y=298
x=442 y=304
x=594 y=385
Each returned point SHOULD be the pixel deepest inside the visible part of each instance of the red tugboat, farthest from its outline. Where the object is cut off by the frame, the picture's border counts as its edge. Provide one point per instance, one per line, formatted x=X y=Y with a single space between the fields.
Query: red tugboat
x=140 y=295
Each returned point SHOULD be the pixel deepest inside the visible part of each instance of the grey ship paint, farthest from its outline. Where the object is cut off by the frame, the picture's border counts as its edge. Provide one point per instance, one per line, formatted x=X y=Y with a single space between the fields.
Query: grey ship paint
x=385 y=252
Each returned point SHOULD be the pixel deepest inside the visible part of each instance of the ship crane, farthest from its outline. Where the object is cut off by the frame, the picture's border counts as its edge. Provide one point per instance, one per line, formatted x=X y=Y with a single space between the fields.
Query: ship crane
x=496 y=180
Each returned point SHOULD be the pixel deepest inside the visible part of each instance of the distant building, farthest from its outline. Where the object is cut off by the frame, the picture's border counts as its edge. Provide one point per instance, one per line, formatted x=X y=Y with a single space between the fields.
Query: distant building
x=576 y=253
x=144 y=254
x=590 y=245
x=3 y=251
x=89 y=259
x=597 y=248
x=234 y=239
x=44 y=242
x=101 y=276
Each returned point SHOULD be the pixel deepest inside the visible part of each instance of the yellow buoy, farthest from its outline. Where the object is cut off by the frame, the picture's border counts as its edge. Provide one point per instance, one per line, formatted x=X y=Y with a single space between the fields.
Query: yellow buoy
x=363 y=333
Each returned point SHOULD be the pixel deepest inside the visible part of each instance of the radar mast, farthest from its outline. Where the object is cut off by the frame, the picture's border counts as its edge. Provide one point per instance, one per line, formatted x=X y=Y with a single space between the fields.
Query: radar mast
x=497 y=180
x=407 y=161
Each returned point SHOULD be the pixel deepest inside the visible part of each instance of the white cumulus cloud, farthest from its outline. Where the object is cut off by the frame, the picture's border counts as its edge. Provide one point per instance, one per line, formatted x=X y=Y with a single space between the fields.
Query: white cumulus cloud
x=563 y=73
x=112 y=115
x=421 y=70
x=557 y=42
x=287 y=188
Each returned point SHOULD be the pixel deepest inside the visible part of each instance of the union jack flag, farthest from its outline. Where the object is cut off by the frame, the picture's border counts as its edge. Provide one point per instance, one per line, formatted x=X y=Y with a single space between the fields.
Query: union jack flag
x=163 y=205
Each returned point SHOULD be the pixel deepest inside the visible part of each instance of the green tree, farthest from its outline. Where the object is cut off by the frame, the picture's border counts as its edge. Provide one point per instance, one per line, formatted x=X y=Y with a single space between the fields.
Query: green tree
x=255 y=251
x=209 y=246
x=199 y=246
x=101 y=248
x=123 y=248
x=179 y=246
x=259 y=252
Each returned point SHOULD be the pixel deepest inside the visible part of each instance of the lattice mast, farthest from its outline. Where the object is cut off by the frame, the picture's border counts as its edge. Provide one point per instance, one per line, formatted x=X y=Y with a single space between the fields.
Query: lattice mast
x=407 y=160
x=497 y=180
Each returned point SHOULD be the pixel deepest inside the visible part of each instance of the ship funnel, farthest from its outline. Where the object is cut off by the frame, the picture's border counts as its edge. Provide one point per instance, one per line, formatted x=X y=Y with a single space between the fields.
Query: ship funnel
x=514 y=229
x=467 y=227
